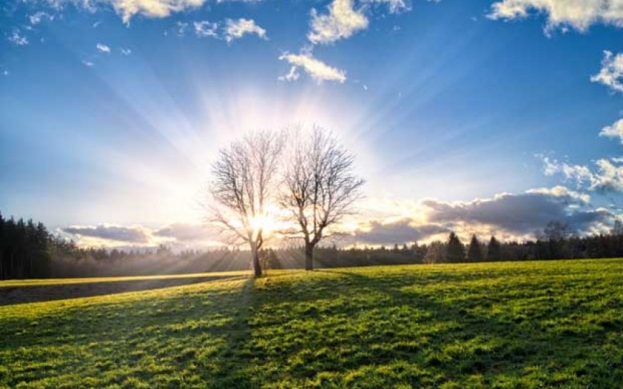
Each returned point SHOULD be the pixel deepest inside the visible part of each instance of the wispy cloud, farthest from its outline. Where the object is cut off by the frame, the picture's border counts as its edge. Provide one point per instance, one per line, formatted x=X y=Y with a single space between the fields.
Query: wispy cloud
x=88 y=63
x=605 y=177
x=613 y=131
x=17 y=38
x=102 y=48
x=177 y=235
x=394 y=5
x=134 y=234
x=181 y=28
x=38 y=17
x=125 y=51
x=318 y=70
x=235 y=29
x=611 y=73
x=292 y=75
x=342 y=21
x=206 y=29
x=578 y=14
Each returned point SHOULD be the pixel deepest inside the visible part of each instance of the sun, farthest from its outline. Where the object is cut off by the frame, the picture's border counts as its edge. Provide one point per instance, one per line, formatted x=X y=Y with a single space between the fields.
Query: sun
x=264 y=223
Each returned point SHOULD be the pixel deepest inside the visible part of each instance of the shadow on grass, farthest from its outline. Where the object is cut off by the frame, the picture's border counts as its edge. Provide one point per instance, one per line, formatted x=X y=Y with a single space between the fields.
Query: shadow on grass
x=511 y=340
x=181 y=338
x=444 y=327
x=40 y=293
x=332 y=328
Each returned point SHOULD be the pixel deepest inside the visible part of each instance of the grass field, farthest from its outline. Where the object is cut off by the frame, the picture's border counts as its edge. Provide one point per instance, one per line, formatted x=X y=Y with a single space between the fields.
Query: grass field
x=506 y=325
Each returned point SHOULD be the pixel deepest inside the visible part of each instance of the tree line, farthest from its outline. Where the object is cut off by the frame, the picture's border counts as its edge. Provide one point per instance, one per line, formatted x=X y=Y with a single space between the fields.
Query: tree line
x=25 y=249
x=28 y=250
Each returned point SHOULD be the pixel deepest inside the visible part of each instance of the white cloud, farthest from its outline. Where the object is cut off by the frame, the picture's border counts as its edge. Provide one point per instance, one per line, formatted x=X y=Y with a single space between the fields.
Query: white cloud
x=17 y=39
x=127 y=9
x=88 y=63
x=102 y=48
x=125 y=51
x=317 y=69
x=341 y=22
x=235 y=29
x=38 y=17
x=611 y=72
x=292 y=75
x=613 y=131
x=606 y=177
x=205 y=28
x=181 y=28
x=5 y=73
x=579 y=14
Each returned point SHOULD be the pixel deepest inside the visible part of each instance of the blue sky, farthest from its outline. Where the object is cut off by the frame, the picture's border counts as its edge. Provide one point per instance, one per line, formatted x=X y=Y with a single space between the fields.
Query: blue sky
x=476 y=116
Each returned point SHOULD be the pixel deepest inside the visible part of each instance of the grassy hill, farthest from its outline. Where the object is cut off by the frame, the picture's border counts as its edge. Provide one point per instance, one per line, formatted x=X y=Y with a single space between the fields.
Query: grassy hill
x=506 y=325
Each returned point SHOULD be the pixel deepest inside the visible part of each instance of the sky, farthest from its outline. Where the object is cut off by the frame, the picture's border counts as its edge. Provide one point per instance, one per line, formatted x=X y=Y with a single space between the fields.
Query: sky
x=481 y=117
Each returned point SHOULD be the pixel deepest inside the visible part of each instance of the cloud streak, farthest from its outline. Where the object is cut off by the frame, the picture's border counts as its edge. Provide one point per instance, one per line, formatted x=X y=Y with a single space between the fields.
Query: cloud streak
x=102 y=48
x=317 y=70
x=116 y=233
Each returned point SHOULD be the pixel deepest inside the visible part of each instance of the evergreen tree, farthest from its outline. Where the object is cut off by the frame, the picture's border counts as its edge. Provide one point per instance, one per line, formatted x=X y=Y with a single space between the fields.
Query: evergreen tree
x=433 y=253
x=2 y=245
x=474 y=252
x=455 y=251
x=493 y=250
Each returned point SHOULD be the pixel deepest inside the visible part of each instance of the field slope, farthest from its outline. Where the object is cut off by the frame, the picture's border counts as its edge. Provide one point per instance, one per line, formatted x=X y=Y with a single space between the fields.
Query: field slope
x=506 y=325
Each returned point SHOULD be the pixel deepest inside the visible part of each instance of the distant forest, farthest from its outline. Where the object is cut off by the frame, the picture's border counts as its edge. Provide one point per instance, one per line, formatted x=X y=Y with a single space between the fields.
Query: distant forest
x=29 y=250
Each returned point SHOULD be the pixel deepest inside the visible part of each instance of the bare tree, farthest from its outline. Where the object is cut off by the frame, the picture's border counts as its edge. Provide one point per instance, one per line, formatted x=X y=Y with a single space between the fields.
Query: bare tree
x=243 y=182
x=320 y=187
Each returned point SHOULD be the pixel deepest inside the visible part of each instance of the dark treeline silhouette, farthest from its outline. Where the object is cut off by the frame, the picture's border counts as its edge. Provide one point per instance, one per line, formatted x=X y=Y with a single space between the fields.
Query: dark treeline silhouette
x=24 y=249
x=28 y=250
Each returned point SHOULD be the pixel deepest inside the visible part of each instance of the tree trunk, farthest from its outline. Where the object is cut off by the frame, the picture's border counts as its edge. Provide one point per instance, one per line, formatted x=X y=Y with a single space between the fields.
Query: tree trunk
x=309 y=256
x=257 y=268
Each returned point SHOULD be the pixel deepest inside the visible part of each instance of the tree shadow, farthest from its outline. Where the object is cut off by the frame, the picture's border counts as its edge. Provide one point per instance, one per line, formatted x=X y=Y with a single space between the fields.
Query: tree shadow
x=170 y=338
x=508 y=343
x=39 y=293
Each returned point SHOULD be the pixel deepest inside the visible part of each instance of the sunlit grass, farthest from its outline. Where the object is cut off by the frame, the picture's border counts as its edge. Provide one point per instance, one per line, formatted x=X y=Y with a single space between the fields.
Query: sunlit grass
x=506 y=325
x=69 y=281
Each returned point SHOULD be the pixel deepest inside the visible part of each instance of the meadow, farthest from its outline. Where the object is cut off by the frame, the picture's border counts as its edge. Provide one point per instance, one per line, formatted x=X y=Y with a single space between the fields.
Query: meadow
x=493 y=325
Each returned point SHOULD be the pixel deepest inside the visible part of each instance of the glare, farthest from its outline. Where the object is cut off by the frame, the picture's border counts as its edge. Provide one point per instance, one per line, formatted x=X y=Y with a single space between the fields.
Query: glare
x=264 y=223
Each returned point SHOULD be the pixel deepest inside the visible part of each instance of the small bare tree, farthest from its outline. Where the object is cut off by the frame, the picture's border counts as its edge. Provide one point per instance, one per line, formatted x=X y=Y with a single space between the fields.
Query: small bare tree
x=243 y=183
x=320 y=187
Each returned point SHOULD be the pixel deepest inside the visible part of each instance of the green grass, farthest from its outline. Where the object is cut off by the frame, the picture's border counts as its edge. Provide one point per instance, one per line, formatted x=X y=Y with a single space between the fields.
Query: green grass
x=505 y=325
